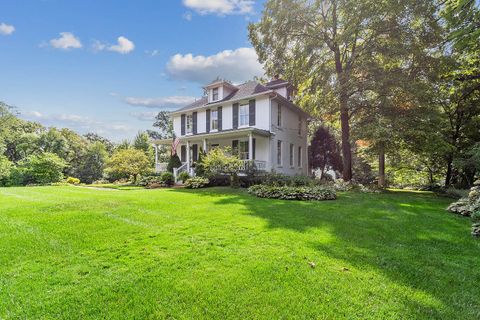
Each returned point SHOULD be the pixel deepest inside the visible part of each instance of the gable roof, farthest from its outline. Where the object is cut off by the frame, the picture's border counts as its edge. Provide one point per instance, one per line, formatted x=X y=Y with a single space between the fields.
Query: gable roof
x=243 y=91
x=277 y=83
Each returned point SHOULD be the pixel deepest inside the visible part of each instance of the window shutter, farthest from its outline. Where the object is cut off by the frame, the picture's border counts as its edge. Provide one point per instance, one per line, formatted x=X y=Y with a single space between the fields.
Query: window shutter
x=207 y=124
x=183 y=124
x=251 y=112
x=253 y=148
x=183 y=153
x=195 y=152
x=235 y=146
x=194 y=120
x=235 y=116
x=219 y=115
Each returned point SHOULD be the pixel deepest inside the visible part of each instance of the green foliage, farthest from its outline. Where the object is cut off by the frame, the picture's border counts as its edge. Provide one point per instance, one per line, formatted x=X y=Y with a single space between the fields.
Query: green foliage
x=167 y=179
x=39 y=169
x=93 y=163
x=200 y=166
x=183 y=176
x=128 y=162
x=163 y=121
x=5 y=170
x=220 y=161
x=142 y=142
x=173 y=163
x=196 y=182
x=293 y=193
x=72 y=180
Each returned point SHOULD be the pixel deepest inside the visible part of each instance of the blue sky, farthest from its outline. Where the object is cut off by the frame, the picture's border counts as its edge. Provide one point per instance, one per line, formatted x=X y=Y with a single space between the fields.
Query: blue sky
x=108 y=66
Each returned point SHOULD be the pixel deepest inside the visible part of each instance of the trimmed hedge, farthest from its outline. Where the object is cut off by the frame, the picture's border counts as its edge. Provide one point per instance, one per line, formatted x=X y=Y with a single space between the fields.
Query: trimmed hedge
x=293 y=193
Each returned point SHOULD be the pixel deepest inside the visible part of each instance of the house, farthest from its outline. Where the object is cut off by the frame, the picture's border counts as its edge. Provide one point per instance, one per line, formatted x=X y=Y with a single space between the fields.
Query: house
x=259 y=122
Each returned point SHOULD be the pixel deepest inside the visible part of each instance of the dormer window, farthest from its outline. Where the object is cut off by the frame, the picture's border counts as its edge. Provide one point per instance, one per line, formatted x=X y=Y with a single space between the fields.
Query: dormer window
x=214 y=119
x=214 y=94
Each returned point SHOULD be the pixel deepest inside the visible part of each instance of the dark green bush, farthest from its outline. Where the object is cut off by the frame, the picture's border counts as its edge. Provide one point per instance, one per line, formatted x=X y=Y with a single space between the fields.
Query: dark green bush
x=38 y=169
x=173 y=163
x=149 y=179
x=293 y=193
x=196 y=182
x=167 y=179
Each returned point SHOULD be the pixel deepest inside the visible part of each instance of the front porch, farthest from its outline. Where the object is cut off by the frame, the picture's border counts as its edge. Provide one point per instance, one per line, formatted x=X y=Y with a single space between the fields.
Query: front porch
x=251 y=145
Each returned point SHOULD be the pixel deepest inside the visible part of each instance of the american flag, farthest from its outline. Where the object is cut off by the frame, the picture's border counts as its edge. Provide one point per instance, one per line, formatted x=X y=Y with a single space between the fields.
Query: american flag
x=175 y=143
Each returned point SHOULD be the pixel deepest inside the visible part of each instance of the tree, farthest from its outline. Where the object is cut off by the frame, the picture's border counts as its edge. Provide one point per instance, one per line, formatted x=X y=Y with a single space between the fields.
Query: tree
x=222 y=161
x=39 y=169
x=141 y=142
x=93 y=137
x=128 y=162
x=164 y=123
x=316 y=45
x=5 y=170
x=325 y=151
x=173 y=162
x=93 y=163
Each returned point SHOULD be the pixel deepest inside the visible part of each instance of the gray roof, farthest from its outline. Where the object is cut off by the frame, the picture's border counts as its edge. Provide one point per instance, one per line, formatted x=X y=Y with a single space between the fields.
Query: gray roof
x=244 y=91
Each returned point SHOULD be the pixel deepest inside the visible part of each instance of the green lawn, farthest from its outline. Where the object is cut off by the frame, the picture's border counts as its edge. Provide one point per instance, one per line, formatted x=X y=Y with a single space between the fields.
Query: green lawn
x=78 y=253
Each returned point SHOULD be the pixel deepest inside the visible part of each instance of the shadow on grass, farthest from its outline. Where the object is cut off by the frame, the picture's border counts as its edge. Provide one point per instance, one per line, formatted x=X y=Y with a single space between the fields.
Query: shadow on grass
x=408 y=237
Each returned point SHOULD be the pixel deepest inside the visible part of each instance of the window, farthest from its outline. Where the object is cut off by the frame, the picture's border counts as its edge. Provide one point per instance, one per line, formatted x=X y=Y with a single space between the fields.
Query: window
x=243 y=115
x=279 y=152
x=189 y=124
x=299 y=158
x=214 y=94
x=279 y=116
x=214 y=119
x=291 y=154
x=299 y=125
x=243 y=150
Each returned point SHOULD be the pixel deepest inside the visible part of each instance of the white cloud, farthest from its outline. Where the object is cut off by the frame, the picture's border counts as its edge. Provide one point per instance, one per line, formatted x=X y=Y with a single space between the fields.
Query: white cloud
x=6 y=29
x=123 y=46
x=235 y=65
x=144 y=116
x=171 y=102
x=220 y=7
x=66 y=41
x=79 y=123
x=187 y=16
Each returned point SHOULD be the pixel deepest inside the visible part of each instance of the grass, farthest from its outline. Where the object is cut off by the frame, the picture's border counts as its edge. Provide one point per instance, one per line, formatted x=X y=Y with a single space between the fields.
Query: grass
x=83 y=253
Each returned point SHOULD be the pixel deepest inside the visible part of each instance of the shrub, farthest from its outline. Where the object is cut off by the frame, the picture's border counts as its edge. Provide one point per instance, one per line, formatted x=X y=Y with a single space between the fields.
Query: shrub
x=149 y=179
x=200 y=166
x=196 y=183
x=173 y=163
x=183 y=176
x=72 y=180
x=221 y=161
x=39 y=169
x=129 y=162
x=293 y=193
x=277 y=179
x=5 y=170
x=167 y=179
x=456 y=193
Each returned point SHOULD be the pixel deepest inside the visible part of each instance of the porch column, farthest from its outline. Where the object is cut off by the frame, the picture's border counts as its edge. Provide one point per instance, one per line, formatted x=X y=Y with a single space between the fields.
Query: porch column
x=188 y=156
x=205 y=145
x=250 y=146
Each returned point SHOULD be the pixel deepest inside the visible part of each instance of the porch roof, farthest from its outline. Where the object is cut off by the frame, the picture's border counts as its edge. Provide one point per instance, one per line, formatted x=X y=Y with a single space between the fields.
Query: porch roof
x=226 y=134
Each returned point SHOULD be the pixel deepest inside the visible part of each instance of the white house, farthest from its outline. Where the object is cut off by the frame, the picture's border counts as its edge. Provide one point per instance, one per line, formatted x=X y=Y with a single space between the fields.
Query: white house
x=258 y=121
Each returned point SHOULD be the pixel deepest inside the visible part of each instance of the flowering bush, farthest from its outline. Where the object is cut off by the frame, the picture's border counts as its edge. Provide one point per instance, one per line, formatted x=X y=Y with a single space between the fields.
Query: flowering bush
x=293 y=193
x=196 y=183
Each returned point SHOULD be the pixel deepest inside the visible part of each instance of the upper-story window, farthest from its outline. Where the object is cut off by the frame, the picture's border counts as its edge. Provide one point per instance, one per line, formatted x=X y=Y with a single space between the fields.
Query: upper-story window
x=299 y=125
x=189 y=124
x=279 y=116
x=214 y=94
x=243 y=115
x=214 y=119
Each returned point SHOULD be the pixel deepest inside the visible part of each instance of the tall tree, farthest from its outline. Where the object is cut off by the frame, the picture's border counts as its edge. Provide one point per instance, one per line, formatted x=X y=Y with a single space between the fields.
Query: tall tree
x=316 y=45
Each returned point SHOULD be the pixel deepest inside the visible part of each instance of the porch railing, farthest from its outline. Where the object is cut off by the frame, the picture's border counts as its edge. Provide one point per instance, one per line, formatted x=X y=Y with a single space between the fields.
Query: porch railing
x=161 y=167
x=259 y=165
x=177 y=171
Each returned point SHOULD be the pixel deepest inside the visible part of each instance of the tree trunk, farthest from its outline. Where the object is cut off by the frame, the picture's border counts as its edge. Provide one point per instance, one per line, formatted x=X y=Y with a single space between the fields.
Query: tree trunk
x=381 y=166
x=346 y=148
x=448 y=176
